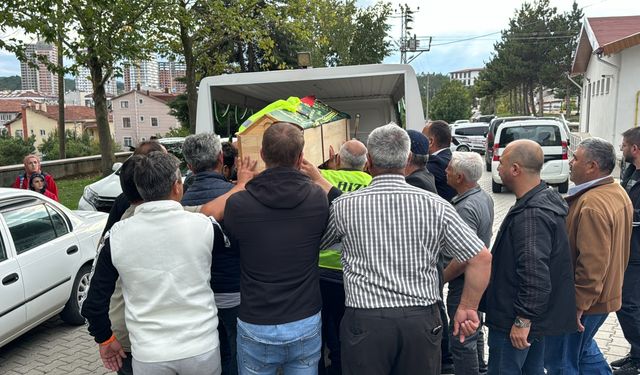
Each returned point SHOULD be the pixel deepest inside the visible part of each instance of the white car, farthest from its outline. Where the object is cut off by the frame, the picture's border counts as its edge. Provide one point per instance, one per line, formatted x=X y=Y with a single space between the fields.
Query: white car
x=469 y=137
x=100 y=195
x=46 y=253
x=553 y=138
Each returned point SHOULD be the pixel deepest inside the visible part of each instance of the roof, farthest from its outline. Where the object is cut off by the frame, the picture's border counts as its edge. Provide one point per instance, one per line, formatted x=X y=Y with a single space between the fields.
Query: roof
x=607 y=35
x=11 y=106
x=159 y=96
x=467 y=70
x=72 y=113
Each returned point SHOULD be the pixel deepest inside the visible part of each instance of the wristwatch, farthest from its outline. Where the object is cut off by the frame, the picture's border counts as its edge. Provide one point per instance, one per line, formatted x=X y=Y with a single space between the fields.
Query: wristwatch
x=520 y=323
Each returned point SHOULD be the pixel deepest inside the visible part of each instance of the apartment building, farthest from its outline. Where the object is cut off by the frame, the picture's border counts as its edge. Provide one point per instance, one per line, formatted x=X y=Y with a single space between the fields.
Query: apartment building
x=39 y=78
x=466 y=76
x=168 y=73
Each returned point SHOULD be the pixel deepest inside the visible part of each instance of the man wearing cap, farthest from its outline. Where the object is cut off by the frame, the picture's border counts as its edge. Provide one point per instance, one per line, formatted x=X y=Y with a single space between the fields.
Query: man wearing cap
x=416 y=172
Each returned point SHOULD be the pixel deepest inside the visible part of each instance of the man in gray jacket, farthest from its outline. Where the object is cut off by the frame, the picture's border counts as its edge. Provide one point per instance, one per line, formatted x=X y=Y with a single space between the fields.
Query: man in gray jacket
x=475 y=207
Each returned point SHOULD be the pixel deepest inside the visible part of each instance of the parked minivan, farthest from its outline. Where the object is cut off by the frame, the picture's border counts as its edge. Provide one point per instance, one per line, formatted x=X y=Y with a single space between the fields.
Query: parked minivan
x=553 y=139
x=493 y=126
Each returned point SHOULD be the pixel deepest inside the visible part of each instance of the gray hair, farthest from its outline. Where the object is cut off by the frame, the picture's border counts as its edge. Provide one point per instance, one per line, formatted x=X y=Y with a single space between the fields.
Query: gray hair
x=601 y=151
x=389 y=147
x=349 y=160
x=469 y=164
x=201 y=151
x=155 y=174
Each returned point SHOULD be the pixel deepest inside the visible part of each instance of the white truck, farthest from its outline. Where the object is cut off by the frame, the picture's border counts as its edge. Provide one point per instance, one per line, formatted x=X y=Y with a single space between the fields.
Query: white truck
x=373 y=95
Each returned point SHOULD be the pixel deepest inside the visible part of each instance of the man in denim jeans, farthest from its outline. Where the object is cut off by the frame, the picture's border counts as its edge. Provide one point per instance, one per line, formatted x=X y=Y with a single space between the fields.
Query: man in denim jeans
x=531 y=294
x=277 y=224
x=475 y=207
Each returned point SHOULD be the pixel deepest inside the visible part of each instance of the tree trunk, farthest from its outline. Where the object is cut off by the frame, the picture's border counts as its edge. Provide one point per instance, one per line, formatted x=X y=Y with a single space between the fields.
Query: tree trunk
x=190 y=74
x=525 y=100
x=541 y=100
x=102 y=115
x=61 y=130
x=251 y=54
x=532 y=103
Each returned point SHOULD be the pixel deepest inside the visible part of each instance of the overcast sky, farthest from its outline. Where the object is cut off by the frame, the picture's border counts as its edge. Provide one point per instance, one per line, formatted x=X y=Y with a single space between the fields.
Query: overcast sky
x=447 y=21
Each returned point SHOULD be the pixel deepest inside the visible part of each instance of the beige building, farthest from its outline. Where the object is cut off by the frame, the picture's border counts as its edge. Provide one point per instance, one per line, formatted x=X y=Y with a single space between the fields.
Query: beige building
x=41 y=120
x=138 y=115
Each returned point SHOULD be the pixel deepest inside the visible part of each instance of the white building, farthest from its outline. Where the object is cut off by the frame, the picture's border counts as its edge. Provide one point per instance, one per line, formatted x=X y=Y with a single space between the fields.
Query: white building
x=141 y=74
x=466 y=76
x=608 y=57
x=39 y=78
x=83 y=82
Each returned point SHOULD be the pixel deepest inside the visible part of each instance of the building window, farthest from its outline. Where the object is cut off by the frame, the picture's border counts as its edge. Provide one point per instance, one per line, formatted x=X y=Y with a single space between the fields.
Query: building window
x=140 y=100
x=19 y=133
x=602 y=87
x=598 y=87
x=141 y=118
x=124 y=104
x=154 y=121
x=608 y=85
x=43 y=132
x=126 y=122
x=126 y=142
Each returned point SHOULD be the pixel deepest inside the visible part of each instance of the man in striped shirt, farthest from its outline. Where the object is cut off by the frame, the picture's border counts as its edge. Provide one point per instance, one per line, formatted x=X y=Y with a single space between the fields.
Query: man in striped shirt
x=392 y=234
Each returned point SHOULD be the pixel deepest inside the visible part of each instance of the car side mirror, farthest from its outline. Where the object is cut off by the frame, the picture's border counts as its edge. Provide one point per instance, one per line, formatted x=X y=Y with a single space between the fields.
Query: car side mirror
x=116 y=166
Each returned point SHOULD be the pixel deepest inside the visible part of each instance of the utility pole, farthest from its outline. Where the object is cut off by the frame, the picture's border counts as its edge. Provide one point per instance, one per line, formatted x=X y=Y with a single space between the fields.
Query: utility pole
x=407 y=43
x=427 y=92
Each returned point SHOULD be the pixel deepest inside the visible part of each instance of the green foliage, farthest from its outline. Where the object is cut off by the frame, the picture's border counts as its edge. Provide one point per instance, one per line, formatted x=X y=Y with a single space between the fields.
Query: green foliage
x=181 y=131
x=76 y=146
x=452 y=102
x=534 y=51
x=10 y=83
x=180 y=110
x=431 y=84
x=14 y=149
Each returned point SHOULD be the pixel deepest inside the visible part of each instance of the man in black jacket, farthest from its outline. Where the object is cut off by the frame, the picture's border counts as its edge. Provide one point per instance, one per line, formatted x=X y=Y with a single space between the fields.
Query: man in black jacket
x=277 y=225
x=531 y=293
x=439 y=136
x=629 y=313
x=204 y=156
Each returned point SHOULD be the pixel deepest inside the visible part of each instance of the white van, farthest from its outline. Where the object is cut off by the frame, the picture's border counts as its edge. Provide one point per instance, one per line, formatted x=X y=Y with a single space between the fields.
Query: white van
x=553 y=138
x=373 y=95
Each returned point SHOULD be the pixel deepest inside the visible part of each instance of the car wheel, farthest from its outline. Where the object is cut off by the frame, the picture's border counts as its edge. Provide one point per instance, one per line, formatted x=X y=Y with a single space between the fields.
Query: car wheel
x=563 y=187
x=496 y=187
x=71 y=312
x=463 y=148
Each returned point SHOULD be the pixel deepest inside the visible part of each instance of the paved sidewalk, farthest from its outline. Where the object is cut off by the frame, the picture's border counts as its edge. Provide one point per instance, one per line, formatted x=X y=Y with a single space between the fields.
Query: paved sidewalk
x=56 y=348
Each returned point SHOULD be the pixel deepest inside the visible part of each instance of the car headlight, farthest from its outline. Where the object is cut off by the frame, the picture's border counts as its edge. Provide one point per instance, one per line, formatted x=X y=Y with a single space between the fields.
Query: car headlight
x=90 y=196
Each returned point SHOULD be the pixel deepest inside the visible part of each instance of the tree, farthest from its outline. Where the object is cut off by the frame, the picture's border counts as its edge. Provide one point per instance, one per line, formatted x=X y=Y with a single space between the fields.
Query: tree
x=451 y=103
x=104 y=35
x=77 y=145
x=14 y=149
x=430 y=84
x=533 y=53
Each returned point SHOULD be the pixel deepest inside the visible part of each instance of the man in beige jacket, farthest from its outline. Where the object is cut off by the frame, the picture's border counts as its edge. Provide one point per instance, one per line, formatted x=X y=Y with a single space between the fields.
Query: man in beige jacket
x=599 y=229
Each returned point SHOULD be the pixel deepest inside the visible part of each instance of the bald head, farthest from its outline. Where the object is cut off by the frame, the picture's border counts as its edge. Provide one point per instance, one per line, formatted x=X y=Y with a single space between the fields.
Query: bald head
x=353 y=154
x=526 y=153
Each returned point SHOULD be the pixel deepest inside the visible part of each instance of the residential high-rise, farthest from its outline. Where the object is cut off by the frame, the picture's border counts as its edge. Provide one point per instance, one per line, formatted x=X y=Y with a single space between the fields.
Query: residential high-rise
x=143 y=73
x=83 y=82
x=39 y=78
x=169 y=72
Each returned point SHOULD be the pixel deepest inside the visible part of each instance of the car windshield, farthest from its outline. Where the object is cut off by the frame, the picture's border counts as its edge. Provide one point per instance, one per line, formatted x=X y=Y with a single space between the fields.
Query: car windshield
x=545 y=135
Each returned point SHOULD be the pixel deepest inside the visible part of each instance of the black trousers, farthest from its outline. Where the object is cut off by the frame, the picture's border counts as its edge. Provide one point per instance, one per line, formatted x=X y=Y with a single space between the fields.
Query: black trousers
x=332 y=312
x=629 y=313
x=403 y=341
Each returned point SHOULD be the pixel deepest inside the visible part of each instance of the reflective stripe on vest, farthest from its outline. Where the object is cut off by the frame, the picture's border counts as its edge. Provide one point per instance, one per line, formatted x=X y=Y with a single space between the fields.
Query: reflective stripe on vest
x=330 y=259
x=346 y=180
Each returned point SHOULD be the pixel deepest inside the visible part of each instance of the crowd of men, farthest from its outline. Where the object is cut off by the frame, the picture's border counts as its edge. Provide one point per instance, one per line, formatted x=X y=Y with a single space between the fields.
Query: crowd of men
x=274 y=271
